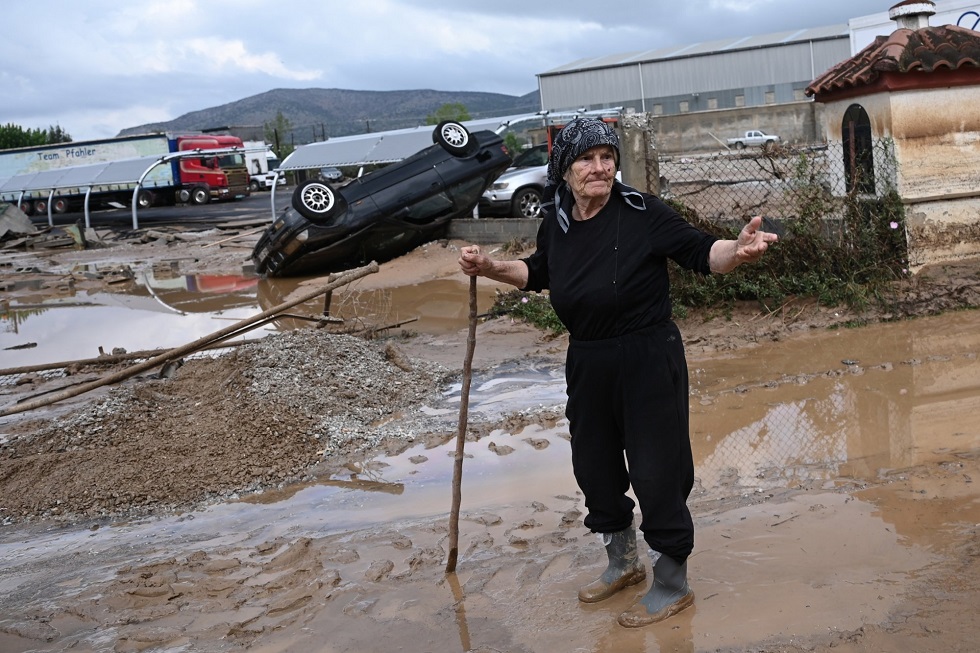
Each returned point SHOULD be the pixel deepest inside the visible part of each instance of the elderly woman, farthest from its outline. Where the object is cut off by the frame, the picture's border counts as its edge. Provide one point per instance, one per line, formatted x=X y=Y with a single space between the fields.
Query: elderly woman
x=602 y=252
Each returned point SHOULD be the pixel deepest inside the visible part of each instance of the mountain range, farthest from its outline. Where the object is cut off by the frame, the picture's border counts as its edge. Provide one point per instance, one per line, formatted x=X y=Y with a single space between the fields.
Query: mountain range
x=318 y=113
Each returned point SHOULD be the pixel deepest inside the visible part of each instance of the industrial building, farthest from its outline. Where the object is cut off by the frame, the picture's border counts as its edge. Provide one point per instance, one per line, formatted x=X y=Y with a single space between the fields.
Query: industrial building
x=733 y=73
x=699 y=94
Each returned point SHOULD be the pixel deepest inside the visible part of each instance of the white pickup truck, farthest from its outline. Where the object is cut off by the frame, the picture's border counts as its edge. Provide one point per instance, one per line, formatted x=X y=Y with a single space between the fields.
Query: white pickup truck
x=753 y=138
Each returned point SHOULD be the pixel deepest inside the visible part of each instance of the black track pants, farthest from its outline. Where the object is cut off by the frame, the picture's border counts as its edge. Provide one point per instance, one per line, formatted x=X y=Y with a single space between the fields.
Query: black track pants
x=630 y=394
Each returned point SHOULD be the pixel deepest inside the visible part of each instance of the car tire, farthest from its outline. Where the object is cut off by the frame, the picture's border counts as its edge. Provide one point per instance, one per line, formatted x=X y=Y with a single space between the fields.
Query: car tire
x=200 y=195
x=315 y=200
x=59 y=206
x=145 y=199
x=41 y=207
x=27 y=208
x=526 y=203
x=253 y=186
x=453 y=137
x=740 y=145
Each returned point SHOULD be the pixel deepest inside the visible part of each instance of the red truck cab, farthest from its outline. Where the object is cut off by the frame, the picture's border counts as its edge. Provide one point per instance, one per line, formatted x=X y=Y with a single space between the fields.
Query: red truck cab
x=210 y=177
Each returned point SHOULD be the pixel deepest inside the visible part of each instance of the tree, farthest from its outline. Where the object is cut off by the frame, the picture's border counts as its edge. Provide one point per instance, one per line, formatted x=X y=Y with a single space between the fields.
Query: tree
x=56 y=134
x=451 y=111
x=275 y=134
x=513 y=144
x=12 y=135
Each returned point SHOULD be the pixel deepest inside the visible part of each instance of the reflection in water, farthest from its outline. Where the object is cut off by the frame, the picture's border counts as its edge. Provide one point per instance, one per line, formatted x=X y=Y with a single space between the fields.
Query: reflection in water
x=911 y=400
x=162 y=308
x=437 y=307
x=460 y=608
x=675 y=635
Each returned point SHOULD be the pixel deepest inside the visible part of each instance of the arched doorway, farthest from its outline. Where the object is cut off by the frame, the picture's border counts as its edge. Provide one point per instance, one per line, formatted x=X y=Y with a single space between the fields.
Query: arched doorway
x=859 y=165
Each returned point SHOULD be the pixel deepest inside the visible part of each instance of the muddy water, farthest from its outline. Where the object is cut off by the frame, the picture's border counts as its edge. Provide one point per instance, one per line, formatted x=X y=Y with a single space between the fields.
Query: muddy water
x=839 y=416
x=164 y=310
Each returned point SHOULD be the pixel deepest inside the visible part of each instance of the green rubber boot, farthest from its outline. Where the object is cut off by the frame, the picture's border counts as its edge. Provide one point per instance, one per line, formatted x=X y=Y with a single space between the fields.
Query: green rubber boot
x=669 y=594
x=624 y=567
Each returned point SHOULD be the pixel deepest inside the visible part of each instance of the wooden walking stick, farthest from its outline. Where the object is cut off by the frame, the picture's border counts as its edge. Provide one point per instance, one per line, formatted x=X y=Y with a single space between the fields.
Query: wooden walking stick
x=464 y=405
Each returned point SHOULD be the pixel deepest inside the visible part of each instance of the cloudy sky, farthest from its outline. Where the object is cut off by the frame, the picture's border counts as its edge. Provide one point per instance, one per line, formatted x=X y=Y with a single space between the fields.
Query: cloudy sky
x=95 y=67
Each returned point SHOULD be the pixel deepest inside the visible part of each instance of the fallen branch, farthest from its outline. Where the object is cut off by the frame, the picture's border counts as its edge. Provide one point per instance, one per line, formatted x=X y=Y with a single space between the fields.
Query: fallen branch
x=235 y=329
x=105 y=359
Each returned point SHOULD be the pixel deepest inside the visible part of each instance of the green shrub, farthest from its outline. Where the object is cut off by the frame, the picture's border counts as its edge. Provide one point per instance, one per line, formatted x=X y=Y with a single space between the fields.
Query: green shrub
x=533 y=308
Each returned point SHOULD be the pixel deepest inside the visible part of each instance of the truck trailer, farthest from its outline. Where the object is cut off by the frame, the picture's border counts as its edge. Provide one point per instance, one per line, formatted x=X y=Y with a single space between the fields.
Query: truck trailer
x=261 y=162
x=185 y=180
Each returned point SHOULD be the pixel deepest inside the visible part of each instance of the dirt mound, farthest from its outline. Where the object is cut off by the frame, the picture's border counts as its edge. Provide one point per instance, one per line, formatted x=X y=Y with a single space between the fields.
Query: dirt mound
x=259 y=416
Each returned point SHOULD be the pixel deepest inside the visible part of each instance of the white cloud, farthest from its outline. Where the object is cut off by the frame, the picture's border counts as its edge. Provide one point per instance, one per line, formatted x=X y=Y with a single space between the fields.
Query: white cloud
x=740 y=6
x=222 y=56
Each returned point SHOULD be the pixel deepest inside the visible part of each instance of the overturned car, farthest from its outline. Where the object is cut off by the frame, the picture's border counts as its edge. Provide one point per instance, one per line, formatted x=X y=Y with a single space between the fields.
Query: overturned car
x=384 y=213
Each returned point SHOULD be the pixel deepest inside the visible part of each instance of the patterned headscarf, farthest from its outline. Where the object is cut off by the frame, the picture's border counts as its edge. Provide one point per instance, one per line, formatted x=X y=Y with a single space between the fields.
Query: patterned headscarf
x=576 y=137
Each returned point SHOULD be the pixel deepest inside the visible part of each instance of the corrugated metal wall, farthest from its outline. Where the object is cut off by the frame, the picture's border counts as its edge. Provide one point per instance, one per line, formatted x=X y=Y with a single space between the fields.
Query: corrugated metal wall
x=780 y=70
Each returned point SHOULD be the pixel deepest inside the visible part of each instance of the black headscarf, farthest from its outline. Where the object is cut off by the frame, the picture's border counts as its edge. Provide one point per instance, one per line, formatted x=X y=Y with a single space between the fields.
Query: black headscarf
x=576 y=137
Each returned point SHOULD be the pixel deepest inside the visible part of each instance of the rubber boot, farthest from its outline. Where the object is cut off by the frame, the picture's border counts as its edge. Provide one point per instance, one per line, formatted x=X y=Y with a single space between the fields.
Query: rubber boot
x=624 y=567
x=669 y=594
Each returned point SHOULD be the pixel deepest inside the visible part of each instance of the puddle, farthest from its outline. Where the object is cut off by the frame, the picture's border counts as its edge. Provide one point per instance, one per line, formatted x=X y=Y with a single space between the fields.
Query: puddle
x=436 y=307
x=844 y=404
x=163 y=309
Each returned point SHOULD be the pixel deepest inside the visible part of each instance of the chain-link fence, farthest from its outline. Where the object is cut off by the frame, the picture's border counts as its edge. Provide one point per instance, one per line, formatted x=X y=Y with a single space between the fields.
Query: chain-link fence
x=778 y=182
x=840 y=221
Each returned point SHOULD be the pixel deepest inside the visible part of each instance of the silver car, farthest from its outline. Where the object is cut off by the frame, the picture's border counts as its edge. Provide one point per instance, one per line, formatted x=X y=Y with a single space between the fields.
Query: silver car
x=517 y=193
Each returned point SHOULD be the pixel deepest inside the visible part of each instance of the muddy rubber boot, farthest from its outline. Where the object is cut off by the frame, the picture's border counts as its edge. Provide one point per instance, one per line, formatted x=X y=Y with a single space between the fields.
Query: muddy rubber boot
x=669 y=594
x=624 y=567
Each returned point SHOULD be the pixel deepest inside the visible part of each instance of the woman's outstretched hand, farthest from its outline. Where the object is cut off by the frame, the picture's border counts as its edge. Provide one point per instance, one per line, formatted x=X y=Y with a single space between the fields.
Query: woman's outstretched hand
x=752 y=243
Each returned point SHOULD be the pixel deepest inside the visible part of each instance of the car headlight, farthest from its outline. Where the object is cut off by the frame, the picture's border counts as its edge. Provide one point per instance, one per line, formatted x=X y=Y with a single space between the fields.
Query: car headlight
x=296 y=242
x=499 y=185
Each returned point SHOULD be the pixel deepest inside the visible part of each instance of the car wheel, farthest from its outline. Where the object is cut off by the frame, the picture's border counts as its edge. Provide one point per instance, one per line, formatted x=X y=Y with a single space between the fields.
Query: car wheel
x=145 y=199
x=200 y=195
x=526 y=203
x=740 y=145
x=314 y=199
x=59 y=206
x=40 y=206
x=27 y=208
x=453 y=137
x=253 y=186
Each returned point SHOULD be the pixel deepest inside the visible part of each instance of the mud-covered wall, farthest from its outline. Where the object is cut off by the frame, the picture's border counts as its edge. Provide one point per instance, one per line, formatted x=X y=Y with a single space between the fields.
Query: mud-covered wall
x=934 y=165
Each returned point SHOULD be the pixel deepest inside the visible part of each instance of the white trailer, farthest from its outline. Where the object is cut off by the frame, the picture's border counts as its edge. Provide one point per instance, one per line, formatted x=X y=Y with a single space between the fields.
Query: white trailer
x=261 y=162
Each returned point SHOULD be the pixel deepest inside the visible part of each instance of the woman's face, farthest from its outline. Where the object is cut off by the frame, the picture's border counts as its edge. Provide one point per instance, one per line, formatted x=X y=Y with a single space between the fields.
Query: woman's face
x=592 y=173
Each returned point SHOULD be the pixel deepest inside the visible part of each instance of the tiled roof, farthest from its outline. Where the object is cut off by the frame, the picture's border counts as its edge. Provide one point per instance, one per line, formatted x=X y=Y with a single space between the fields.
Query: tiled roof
x=927 y=49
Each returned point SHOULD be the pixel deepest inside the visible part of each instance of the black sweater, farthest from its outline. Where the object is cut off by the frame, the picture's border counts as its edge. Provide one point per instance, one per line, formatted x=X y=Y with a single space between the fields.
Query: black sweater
x=607 y=276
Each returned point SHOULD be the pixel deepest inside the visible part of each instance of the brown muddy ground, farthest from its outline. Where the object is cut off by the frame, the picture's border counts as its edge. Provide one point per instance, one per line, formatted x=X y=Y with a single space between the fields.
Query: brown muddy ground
x=292 y=495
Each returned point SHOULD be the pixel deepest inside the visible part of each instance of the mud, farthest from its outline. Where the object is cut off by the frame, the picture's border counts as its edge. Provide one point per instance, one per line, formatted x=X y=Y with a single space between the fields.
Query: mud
x=270 y=499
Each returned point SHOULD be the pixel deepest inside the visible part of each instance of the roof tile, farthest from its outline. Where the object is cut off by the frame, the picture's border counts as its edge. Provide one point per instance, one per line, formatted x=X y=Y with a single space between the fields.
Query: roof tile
x=903 y=51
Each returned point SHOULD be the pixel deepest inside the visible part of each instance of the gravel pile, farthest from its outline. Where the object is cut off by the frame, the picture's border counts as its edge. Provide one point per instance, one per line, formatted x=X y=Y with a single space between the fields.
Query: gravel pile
x=259 y=416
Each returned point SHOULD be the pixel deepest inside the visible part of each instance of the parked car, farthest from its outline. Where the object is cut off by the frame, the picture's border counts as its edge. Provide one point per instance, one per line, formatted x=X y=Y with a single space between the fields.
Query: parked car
x=517 y=193
x=331 y=174
x=384 y=213
x=753 y=138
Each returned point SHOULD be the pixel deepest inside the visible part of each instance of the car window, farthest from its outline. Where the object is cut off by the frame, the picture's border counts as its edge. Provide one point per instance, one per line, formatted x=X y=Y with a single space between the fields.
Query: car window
x=468 y=192
x=536 y=156
x=429 y=209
